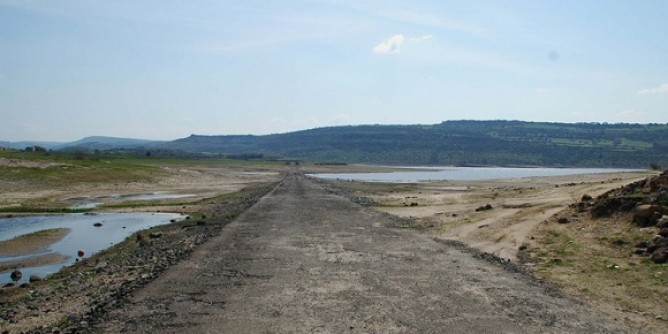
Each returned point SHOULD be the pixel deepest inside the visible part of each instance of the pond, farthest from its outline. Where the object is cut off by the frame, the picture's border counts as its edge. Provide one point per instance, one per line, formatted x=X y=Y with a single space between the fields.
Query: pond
x=418 y=174
x=112 y=228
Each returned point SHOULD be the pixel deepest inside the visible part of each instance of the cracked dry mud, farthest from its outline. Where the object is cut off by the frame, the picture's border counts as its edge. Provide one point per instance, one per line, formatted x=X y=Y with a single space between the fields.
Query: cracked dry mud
x=305 y=260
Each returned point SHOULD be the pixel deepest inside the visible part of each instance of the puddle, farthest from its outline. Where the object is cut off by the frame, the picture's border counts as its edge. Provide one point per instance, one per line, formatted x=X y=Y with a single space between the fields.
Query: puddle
x=84 y=235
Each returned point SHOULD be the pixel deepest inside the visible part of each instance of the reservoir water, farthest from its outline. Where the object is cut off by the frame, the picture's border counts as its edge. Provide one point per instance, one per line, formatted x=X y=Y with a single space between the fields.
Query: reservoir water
x=419 y=174
x=84 y=235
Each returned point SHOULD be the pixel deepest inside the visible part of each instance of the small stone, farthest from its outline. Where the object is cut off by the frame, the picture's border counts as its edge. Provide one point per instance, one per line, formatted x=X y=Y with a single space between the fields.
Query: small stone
x=34 y=278
x=563 y=220
x=97 y=224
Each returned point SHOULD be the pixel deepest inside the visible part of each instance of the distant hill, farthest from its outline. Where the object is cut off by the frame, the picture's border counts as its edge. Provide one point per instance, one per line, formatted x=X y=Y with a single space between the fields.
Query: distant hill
x=499 y=143
x=19 y=145
x=106 y=143
x=85 y=144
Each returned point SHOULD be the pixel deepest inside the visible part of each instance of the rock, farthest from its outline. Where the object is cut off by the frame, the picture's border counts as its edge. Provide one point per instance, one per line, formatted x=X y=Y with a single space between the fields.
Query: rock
x=34 y=278
x=563 y=220
x=663 y=232
x=643 y=213
x=100 y=267
x=656 y=242
x=662 y=222
x=201 y=222
x=484 y=208
x=586 y=198
x=16 y=275
x=97 y=224
x=660 y=255
x=414 y=204
x=155 y=235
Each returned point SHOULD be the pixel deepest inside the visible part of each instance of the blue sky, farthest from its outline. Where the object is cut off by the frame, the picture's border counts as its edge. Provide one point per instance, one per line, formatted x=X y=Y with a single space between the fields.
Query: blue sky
x=167 y=69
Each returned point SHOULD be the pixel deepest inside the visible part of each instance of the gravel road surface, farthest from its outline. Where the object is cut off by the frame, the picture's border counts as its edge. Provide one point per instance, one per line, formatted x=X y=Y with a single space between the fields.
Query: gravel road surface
x=306 y=260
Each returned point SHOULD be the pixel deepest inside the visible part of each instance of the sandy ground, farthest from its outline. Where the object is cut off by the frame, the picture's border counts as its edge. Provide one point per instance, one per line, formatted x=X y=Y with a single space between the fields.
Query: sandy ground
x=448 y=208
x=32 y=243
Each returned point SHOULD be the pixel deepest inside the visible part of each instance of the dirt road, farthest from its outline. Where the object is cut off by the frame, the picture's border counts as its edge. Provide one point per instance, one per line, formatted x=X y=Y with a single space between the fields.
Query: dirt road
x=304 y=260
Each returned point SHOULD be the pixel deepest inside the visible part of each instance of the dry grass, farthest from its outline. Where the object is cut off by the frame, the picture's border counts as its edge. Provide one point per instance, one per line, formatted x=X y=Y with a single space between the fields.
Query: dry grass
x=594 y=260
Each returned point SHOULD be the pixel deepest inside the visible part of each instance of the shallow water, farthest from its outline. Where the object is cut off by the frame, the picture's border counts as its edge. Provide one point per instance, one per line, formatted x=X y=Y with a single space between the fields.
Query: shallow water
x=84 y=235
x=418 y=174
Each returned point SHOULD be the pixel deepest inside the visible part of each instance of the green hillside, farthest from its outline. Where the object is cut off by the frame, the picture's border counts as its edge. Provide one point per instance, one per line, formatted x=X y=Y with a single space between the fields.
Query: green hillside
x=456 y=143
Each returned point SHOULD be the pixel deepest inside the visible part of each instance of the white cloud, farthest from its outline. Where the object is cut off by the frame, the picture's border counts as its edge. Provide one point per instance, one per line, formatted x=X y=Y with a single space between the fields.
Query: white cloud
x=395 y=43
x=663 y=89
x=390 y=45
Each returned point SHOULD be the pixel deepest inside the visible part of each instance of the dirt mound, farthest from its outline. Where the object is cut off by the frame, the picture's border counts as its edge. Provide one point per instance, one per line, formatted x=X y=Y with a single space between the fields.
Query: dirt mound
x=650 y=191
x=646 y=201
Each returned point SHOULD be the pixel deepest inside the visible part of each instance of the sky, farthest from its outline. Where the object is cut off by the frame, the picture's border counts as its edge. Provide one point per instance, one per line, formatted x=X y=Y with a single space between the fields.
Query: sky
x=168 y=69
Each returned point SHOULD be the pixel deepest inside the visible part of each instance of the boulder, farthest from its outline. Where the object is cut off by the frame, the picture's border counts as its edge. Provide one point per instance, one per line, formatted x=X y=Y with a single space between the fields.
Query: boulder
x=643 y=214
x=34 y=278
